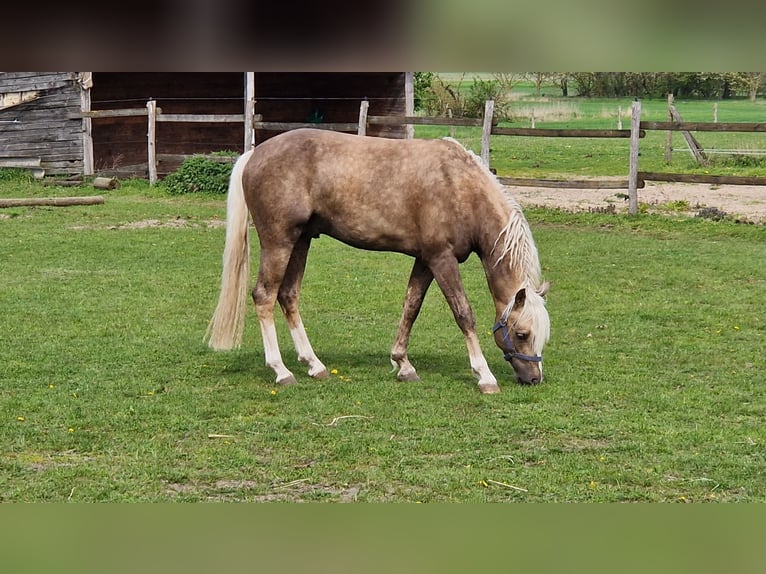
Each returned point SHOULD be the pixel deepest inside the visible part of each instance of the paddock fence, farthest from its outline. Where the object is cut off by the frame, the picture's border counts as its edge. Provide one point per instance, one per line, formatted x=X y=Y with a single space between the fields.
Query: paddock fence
x=636 y=179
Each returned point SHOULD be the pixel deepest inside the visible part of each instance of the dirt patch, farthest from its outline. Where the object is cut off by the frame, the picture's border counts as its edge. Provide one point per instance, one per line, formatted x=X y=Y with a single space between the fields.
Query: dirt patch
x=743 y=202
x=177 y=223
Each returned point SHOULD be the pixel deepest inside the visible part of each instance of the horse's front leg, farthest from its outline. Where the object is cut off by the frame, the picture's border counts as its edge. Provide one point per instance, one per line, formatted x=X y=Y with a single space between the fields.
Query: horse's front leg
x=447 y=273
x=420 y=279
x=288 y=296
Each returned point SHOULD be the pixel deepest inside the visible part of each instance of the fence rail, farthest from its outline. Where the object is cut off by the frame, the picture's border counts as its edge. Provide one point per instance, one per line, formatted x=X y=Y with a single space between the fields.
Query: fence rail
x=563 y=133
x=704 y=127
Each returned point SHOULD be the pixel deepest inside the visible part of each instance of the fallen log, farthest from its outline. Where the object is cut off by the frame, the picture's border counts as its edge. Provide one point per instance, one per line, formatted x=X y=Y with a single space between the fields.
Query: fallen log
x=51 y=201
x=106 y=183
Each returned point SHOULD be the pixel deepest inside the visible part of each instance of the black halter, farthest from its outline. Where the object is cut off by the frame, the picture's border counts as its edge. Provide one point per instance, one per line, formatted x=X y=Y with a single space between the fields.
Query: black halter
x=511 y=353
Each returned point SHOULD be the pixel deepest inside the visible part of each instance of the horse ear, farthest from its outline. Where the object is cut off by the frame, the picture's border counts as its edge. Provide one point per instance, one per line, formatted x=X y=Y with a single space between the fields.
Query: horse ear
x=543 y=290
x=519 y=299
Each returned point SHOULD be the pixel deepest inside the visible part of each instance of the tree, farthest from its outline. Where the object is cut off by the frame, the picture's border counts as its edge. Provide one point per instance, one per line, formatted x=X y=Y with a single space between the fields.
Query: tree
x=748 y=82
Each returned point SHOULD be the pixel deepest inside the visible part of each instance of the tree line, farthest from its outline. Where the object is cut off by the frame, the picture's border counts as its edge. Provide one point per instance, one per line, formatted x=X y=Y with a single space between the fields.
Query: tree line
x=465 y=94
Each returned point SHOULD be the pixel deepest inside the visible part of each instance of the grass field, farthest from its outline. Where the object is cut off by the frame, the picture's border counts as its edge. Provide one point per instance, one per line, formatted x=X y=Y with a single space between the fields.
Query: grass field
x=654 y=384
x=562 y=157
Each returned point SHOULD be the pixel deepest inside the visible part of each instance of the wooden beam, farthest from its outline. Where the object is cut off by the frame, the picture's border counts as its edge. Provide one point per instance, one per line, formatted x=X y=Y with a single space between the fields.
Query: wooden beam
x=362 y=126
x=22 y=162
x=704 y=126
x=635 y=122
x=486 y=130
x=669 y=135
x=564 y=133
x=702 y=178
x=52 y=201
x=409 y=101
x=201 y=118
x=128 y=112
x=567 y=183
x=87 y=125
x=249 y=110
x=151 y=108
x=285 y=126
x=425 y=121
x=694 y=146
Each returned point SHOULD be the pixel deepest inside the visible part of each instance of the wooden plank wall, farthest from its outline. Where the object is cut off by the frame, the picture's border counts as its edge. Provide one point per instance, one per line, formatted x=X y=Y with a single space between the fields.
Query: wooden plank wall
x=47 y=127
x=335 y=97
x=120 y=143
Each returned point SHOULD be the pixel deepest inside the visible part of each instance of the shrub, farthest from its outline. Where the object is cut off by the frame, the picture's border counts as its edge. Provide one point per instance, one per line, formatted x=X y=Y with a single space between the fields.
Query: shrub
x=200 y=174
x=422 y=89
x=480 y=92
x=15 y=174
x=712 y=213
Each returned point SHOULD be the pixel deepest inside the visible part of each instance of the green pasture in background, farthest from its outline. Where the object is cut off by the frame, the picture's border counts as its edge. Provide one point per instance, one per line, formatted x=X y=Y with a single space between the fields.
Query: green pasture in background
x=654 y=374
x=544 y=157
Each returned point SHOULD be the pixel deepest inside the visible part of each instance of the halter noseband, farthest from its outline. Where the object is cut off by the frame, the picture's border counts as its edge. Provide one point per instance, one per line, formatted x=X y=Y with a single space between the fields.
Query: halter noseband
x=511 y=353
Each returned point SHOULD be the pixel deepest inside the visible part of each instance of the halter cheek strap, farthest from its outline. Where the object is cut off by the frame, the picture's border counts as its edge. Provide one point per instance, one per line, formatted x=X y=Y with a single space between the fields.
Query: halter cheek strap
x=511 y=350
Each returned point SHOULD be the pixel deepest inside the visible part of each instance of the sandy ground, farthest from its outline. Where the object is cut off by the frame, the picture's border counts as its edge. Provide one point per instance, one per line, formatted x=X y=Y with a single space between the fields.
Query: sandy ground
x=747 y=203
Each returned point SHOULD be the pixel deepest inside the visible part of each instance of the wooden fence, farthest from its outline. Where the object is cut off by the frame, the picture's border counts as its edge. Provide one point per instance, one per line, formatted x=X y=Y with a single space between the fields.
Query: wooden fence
x=636 y=179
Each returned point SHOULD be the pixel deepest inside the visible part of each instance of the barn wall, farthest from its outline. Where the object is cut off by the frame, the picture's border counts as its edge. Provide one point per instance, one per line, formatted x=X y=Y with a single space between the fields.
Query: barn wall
x=119 y=143
x=48 y=127
x=329 y=97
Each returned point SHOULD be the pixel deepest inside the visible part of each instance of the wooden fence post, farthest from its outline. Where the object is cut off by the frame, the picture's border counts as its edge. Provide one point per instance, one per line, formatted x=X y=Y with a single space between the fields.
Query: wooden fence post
x=249 y=109
x=86 y=82
x=669 y=134
x=151 y=107
x=619 y=117
x=635 y=135
x=715 y=113
x=363 y=109
x=409 y=102
x=489 y=113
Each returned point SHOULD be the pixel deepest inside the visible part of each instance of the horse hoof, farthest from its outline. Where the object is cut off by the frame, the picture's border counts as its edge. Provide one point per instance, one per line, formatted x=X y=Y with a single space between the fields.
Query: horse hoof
x=289 y=380
x=323 y=374
x=489 y=389
x=408 y=377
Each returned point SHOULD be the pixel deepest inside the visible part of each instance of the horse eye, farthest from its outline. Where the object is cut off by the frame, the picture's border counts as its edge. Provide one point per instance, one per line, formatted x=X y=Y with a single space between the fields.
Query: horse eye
x=521 y=336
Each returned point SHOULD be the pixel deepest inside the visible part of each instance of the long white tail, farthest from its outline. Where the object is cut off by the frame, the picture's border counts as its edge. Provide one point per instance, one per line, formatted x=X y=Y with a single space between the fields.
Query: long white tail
x=225 y=329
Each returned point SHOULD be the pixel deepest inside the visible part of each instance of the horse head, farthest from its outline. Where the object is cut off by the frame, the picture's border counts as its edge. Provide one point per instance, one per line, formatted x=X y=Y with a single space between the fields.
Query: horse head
x=521 y=332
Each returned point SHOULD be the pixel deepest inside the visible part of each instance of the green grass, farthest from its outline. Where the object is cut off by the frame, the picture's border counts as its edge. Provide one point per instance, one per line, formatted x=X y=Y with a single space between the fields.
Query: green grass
x=654 y=374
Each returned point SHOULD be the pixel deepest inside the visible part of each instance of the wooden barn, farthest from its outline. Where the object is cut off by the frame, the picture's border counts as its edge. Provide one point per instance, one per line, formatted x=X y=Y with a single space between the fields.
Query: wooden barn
x=84 y=123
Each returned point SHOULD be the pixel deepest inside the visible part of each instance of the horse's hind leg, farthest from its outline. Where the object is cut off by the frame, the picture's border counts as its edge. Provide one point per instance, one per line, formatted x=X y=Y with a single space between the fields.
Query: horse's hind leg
x=271 y=271
x=288 y=296
x=420 y=279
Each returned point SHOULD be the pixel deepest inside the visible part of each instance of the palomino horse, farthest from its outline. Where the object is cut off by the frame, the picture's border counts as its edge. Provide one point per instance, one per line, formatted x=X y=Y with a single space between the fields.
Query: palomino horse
x=431 y=199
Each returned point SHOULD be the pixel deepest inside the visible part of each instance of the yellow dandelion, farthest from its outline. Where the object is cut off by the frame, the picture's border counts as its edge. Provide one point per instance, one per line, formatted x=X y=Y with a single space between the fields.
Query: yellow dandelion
x=50 y=386
x=334 y=371
x=484 y=483
x=736 y=327
x=593 y=485
x=70 y=430
x=150 y=393
x=20 y=419
x=273 y=392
